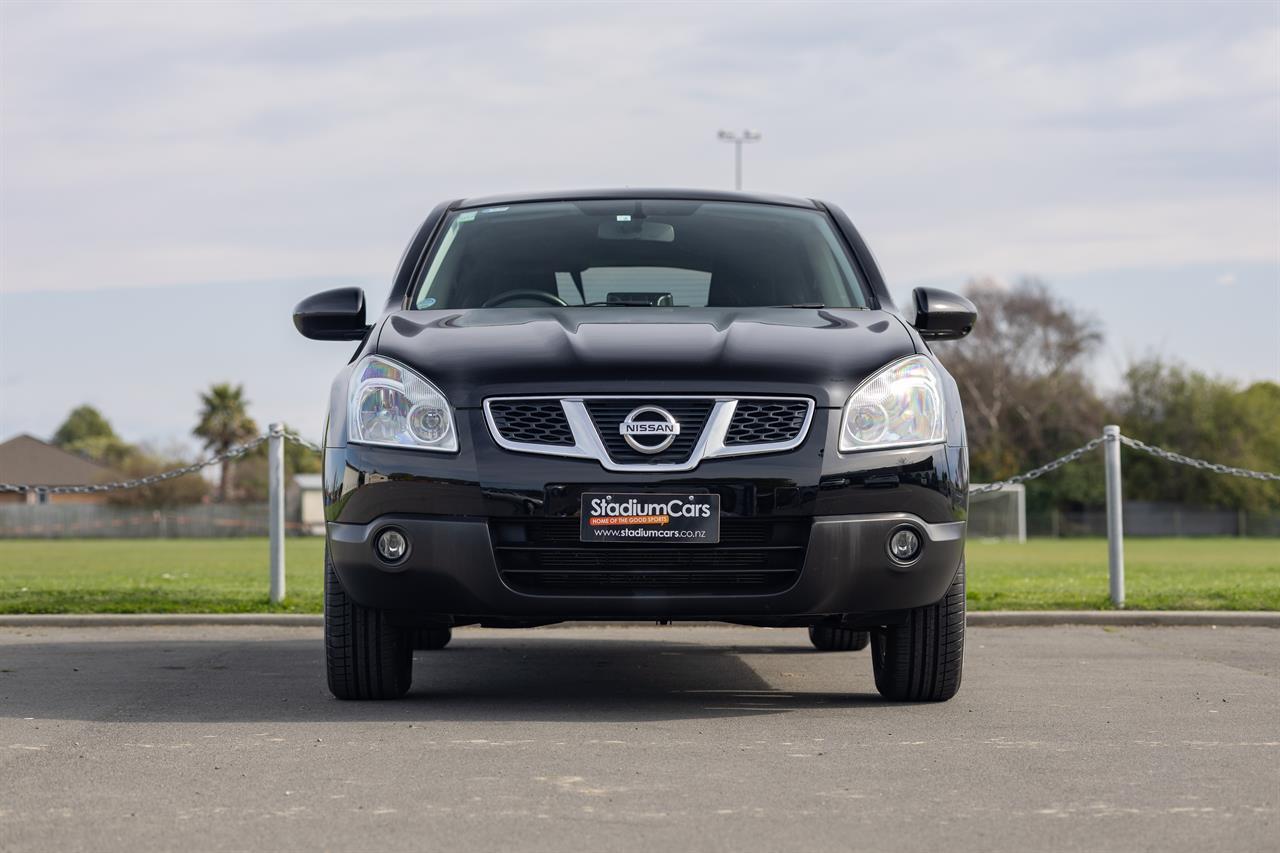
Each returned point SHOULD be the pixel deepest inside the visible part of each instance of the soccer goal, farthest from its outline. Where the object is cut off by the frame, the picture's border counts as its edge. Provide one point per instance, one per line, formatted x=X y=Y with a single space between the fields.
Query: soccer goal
x=1001 y=514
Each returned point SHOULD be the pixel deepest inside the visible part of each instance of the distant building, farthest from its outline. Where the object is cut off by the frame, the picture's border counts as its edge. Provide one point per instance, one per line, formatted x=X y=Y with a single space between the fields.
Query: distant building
x=311 y=489
x=27 y=459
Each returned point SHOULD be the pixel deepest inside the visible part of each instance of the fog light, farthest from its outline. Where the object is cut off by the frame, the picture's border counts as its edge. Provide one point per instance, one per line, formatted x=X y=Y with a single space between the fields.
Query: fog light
x=392 y=545
x=904 y=545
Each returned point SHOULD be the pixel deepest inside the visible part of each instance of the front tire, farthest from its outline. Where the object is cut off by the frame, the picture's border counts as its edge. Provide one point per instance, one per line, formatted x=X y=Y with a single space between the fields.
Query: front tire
x=921 y=659
x=366 y=657
x=828 y=638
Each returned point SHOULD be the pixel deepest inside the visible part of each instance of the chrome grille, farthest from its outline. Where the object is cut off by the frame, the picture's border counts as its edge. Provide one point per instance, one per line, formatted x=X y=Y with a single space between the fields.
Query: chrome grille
x=587 y=427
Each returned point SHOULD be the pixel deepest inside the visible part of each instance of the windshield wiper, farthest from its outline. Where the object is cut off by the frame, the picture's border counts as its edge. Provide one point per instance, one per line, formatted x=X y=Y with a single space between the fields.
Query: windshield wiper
x=800 y=305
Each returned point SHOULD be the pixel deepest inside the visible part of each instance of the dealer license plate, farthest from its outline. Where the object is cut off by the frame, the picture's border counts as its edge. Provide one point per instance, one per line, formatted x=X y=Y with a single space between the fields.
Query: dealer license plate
x=674 y=519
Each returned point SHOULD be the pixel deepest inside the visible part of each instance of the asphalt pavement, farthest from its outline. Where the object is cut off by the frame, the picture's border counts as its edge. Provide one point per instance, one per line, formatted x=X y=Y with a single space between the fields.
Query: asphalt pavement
x=638 y=738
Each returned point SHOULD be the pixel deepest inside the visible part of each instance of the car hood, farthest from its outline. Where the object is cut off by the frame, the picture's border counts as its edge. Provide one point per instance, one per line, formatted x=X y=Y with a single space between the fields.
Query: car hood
x=472 y=355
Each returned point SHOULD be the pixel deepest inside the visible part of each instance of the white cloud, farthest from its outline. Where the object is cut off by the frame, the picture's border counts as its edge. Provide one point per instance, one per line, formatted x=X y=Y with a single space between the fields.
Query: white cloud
x=153 y=145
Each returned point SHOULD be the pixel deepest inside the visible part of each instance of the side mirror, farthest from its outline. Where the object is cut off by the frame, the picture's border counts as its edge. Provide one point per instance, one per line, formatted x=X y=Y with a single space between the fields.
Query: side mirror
x=334 y=315
x=942 y=315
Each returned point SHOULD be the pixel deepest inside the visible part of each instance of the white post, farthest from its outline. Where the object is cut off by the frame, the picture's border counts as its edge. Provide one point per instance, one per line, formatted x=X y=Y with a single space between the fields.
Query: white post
x=1115 y=514
x=275 y=509
x=1022 y=514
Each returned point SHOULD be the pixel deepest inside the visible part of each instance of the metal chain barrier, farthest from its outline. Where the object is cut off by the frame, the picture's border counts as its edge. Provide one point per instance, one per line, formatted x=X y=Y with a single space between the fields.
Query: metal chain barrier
x=277 y=435
x=242 y=449
x=1042 y=470
x=1158 y=452
x=151 y=479
x=299 y=440
x=1205 y=465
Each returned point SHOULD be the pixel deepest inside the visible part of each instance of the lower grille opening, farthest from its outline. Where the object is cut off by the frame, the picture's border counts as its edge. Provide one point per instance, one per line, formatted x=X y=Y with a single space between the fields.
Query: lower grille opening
x=544 y=557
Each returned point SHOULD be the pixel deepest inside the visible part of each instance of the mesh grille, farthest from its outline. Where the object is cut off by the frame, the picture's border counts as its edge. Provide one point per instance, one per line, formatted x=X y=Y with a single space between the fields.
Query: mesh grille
x=532 y=422
x=766 y=422
x=608 y=415
x=619 y=573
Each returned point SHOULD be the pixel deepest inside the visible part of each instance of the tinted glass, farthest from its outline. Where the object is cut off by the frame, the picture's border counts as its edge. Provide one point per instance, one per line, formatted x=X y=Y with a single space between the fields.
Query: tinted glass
x=638 y=253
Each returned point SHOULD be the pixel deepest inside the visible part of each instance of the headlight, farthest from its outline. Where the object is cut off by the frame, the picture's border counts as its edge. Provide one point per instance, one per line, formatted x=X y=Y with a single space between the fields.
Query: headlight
x=898 y=406
x=390 y=404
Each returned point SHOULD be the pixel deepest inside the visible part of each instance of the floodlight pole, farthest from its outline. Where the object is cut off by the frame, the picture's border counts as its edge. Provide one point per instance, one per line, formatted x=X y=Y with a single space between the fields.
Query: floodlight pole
x=275 y=509
x=738 y=141
x=1115 y=514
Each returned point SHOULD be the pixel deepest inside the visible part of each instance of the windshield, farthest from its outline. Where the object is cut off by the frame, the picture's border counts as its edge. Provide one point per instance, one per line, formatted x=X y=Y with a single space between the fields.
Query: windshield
x=628 y=253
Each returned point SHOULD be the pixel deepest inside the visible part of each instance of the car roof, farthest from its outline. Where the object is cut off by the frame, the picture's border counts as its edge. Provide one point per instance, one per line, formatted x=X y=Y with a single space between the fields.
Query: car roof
x=633 y=192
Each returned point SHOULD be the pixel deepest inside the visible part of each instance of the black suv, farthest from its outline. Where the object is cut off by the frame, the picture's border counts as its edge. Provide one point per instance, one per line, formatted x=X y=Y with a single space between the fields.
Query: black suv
x=643 y=405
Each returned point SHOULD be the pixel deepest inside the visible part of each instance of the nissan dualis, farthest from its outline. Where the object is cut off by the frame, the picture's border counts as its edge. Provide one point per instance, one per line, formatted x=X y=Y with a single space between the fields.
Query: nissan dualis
x=643 y=405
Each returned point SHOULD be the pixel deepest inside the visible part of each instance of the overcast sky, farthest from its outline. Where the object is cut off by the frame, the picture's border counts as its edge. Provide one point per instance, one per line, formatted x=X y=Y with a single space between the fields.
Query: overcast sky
x=227 y=157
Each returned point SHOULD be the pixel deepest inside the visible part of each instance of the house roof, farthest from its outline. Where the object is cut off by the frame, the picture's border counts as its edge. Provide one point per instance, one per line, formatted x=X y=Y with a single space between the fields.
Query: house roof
x=25 y=459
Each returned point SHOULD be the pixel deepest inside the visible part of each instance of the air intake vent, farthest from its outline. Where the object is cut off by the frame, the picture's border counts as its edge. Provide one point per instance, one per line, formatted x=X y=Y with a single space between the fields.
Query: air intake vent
x=754 y=557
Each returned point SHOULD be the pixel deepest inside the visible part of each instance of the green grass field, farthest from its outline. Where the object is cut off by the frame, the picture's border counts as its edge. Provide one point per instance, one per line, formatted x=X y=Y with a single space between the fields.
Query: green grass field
x=155 y=576
x=230 y=575
x=1160 y=574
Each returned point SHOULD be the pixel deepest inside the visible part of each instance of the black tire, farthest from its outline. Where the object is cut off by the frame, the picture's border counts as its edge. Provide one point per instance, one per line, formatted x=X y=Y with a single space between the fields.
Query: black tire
x=366 y=657
x=921 y=660
x=430 y=639
x=828 y=638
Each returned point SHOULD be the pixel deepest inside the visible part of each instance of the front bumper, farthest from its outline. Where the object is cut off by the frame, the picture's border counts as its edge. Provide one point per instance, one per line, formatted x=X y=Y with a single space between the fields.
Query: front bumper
x=451 y=571
x=837 y=512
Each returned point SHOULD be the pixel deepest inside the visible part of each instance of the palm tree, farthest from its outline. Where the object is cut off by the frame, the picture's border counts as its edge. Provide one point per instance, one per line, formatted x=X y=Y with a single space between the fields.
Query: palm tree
x=224 y=423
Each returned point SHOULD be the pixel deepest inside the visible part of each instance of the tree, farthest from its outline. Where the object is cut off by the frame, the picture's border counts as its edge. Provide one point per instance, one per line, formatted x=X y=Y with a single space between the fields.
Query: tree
x=1201 y=416
x=83 y=422
x=224 y=423
x=180 y=491
x=87 y=432
x=1021 y=374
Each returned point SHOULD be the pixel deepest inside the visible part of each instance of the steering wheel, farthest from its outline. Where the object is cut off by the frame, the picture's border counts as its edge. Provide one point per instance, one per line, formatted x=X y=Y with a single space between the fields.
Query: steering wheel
x=538 y=295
